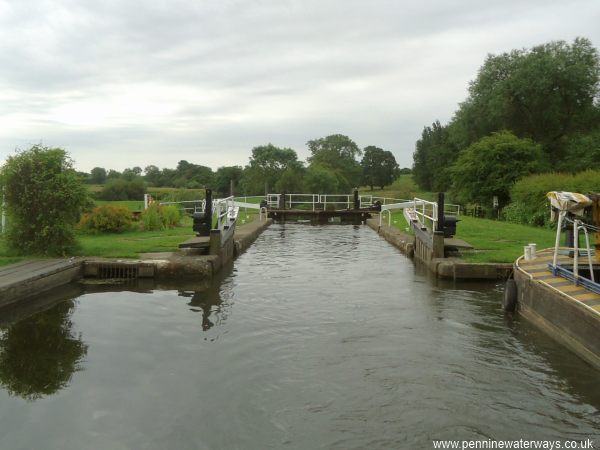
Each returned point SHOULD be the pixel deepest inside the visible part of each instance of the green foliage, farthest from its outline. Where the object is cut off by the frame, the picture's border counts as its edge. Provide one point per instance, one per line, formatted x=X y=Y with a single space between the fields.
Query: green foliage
x=321 y=180
x=171 y=215
x=192 y=176
x=529 y=203
x=489 y=167
x=152 y=219
x=223 y=178
x=267 y=164
x=123 y=189
x=379 y=167
x=106 y=219
x=98 y=175
x=152 y=175
x=291 y=180
x=44 y=198
x=582 y=152
x=177 y=195
x=338 y=154
x=433 y=157
x=157 y=217
x=548 y=93
x=543 y=93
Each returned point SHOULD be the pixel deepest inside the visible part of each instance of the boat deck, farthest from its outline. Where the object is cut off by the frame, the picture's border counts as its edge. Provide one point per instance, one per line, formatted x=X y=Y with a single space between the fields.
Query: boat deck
x=538 y=270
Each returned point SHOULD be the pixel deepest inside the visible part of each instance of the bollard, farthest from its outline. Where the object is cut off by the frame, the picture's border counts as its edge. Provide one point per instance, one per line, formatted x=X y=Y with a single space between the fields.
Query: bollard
x=533 y=248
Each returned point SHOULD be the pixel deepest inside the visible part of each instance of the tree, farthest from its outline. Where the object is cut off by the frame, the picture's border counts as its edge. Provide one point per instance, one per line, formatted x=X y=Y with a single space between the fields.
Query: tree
x=548 y=93
x=337 y=153
x=123 y=189
x=152 y=175
x=192 y=176
x=44 y=199
x=98 y=175
x=433 y=156
x=582 y=152
x=321 y=180
x=113 y=174
x=223 y=178
x=490 y=167
x=544 y=93
x=379 y=167
x=291 y=180
x=267 y=164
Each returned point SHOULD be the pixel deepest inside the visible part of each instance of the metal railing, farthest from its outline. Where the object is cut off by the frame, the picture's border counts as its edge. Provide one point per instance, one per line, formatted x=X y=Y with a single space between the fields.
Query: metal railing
x=187 y=206
x=426 y=211
x=589 y=283
x=225 y=210
x=325 y=201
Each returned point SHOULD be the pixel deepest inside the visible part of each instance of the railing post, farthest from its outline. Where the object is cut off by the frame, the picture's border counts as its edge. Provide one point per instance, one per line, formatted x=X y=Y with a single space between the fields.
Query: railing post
x=356 y=199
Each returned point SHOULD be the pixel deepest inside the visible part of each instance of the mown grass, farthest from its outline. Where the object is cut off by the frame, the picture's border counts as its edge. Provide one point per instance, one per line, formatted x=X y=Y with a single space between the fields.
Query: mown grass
x=129 y=244
x=497 y=241
x=493 y=241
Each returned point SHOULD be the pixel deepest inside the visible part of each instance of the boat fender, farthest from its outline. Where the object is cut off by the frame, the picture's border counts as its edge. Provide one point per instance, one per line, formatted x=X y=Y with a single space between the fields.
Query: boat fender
x=509 y=302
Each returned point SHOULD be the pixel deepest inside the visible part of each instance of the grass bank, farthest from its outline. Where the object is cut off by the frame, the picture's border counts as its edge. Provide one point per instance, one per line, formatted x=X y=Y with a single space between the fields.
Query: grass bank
x=494 y=241
x=128 y=244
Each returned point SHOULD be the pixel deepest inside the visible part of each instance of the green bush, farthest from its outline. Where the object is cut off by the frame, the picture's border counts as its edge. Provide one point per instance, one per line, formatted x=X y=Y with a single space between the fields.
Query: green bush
x=152 y=219
x=171 y=215
x=529 y=203
x=44 y=198
x=106 y=219
x=490 y=166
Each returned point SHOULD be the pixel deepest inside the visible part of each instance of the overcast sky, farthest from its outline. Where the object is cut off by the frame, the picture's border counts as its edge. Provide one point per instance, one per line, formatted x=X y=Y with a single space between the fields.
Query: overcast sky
x=123 y=83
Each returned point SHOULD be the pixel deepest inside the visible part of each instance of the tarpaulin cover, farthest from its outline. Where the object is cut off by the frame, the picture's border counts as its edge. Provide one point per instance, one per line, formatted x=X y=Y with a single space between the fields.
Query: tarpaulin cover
x=569 y=201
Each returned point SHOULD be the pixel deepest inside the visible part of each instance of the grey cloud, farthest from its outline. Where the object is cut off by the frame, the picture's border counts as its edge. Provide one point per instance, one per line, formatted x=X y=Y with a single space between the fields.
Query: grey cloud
x=224 y=76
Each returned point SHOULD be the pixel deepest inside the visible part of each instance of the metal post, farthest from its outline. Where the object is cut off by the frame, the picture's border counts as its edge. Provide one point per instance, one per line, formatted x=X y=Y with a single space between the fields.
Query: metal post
x=561 y=216
x=208 y=207
x=356 y=199
x=3 y=223
x=576 y=248
x=440 y=212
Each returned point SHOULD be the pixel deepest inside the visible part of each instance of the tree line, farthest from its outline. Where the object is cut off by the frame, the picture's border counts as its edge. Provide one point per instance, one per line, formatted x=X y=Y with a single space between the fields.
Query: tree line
x=528 y=111
x=336 y=165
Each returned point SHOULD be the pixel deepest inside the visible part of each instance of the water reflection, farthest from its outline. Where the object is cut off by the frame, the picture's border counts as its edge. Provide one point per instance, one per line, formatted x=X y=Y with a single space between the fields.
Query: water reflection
x=209 y=303
x=39 y=354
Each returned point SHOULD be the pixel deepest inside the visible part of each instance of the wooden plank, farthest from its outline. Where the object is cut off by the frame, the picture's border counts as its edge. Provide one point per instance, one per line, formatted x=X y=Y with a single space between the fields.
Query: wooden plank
x=31 y=270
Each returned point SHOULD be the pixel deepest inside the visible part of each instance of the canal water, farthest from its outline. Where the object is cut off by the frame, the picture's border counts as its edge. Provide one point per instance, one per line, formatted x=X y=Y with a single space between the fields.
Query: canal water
x=317 y=337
